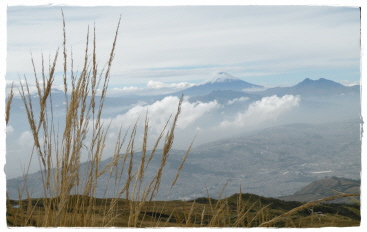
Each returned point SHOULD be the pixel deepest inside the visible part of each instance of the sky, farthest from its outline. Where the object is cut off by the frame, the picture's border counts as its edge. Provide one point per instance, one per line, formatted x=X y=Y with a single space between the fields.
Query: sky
x=168 y=48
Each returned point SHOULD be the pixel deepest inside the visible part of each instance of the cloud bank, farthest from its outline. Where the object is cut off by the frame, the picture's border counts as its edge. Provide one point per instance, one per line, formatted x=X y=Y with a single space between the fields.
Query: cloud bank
x=268 y=108
x=241 y=99
x=152 y=88
x=160 y=111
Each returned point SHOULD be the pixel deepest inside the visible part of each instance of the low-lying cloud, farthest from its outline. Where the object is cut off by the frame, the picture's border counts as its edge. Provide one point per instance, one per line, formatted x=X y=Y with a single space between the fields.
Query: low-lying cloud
x=152 y=88
x=160 y=111
x=241 y=99
x=9 y=129
x=162 y=85
x=268 y=108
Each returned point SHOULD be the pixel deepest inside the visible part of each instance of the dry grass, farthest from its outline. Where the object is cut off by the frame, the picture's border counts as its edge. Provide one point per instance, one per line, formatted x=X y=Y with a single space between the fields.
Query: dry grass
x=8 y=105
x=62 y=151
x=68 y=195
x=305 y=206
x=195 y=213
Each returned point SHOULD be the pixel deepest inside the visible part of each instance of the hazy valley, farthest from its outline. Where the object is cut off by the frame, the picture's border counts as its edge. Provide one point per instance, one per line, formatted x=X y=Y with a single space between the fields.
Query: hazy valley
x=292 y=150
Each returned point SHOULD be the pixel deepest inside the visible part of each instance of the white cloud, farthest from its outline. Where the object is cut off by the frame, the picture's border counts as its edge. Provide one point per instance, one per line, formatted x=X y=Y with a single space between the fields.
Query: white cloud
x=19 y=154
x=9 y=129
x=112 y=135
x=25 y=138
x=160 y=111
x=130 y=88
x=193 y=111
x=160 y=85
x=122 y=91
x=152 y=88
x=349 y=83
x=268 y=108
x=241 y=99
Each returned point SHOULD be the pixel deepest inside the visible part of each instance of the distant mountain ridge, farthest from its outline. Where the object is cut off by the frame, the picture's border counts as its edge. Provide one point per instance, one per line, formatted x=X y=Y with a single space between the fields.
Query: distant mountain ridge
x=308 y=87
x=320 y=83
x=223 y=81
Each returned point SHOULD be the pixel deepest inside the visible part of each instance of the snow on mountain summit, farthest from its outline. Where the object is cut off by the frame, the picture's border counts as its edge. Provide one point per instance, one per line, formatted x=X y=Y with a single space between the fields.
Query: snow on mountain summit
x=222 y=77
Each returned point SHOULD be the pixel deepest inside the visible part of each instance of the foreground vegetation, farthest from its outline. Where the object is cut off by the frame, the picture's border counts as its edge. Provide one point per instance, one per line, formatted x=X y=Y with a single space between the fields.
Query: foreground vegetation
x=239 y=210
x=69 y=194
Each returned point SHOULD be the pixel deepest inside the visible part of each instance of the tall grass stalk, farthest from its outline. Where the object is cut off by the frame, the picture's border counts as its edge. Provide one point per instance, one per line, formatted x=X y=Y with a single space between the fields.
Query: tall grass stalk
x=68 y=194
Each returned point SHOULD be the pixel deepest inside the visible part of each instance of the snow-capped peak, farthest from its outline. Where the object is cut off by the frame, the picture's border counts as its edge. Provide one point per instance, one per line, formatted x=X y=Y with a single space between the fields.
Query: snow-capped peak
x=222 y=77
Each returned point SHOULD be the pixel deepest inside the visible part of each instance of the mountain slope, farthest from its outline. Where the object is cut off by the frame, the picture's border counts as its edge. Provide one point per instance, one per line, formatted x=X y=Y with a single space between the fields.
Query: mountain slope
x=272 y=162
x=328 y=186
x=278 y=160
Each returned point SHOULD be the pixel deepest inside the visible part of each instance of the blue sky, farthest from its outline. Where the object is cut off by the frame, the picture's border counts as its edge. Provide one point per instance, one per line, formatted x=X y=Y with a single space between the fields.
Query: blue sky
x=266 y=45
